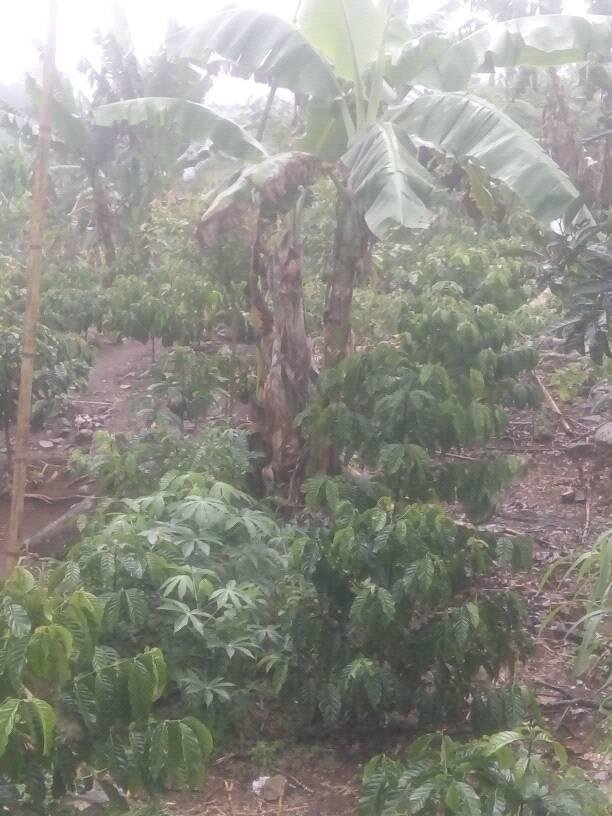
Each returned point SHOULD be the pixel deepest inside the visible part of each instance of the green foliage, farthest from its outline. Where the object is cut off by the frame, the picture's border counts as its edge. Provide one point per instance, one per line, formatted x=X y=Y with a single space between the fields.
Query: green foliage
x=73 y=706
x=487 y=269
x=591 y=572
x=507 y=774
x=383 y=606
x=61 y=366
x=176 y=568
x=134 y=465
x=264 y=755
x=73 y=300
x=501 y=708
x=440 y=386
x=580 y=272
x=571 y=380
x=186 y=383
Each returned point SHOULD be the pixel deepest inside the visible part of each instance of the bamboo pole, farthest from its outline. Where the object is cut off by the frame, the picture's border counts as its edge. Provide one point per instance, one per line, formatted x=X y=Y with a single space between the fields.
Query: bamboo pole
x=11 y=550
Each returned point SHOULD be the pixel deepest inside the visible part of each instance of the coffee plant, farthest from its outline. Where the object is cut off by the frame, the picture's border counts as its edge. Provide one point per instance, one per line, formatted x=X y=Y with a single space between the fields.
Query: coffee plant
x=185 y=383
x=385 y=602
x=487 y=269
x=73 y=706
x=73 y=300
x=61 y=366
x=509 y=773
x=131 y=466
x=440 y=386
x=580 y=271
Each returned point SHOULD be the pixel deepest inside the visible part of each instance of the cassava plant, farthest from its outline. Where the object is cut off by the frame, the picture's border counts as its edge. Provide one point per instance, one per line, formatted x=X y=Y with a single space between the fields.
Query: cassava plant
x=192 y=569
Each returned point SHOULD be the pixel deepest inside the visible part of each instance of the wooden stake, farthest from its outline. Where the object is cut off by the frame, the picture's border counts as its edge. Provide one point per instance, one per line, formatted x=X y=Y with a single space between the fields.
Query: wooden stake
x=552 y=404
x=11 y=550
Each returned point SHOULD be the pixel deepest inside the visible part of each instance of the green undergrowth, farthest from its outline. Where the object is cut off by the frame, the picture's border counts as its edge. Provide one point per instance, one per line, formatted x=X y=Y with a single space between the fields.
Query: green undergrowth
x=522 y=772
x=181 y=609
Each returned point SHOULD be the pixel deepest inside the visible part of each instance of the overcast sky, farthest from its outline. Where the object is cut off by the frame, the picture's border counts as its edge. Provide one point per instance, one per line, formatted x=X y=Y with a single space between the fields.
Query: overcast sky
x=23 y=25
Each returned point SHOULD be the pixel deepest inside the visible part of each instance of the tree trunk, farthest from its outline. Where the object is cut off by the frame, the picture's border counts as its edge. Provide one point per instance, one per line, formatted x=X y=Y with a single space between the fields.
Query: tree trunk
x=561 y=135
x=260 y=314
x=103 y=219
x=604 y=154
x=11 y=550
x=591 y=171
x=350 y=260
x=285 y=390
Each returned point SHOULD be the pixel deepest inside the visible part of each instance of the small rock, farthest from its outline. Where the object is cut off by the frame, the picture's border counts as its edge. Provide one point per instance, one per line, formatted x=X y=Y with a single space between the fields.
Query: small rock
x=125 y=386
x=45 y=443
x=274 y=788
x=89 y=800
x=603 y=435
x=568 y=497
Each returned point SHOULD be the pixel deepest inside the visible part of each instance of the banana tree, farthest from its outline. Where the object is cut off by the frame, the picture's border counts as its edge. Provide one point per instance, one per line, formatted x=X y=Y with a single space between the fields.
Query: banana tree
x=370 y=101
x=268 y=198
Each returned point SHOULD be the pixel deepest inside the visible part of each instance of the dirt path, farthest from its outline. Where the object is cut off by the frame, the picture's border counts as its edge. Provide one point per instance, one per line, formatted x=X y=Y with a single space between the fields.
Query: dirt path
x=117 y=379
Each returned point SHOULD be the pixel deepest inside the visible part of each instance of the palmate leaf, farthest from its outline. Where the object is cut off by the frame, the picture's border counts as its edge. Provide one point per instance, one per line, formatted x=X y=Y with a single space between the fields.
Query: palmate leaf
x=262 y=45
x=192 y=119
x=540 y=40
x=467 y=128
x=392 y=188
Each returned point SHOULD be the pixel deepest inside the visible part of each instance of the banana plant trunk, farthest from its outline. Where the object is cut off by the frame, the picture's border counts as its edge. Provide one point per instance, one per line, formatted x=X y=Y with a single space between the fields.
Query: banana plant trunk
x=350 y=262
x=285 y=389
x=561 y=135
x=103 y=220
x=604 y=154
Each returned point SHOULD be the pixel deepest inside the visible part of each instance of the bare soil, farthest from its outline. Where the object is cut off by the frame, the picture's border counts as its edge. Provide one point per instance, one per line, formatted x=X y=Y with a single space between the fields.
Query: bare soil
x=117 y=380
